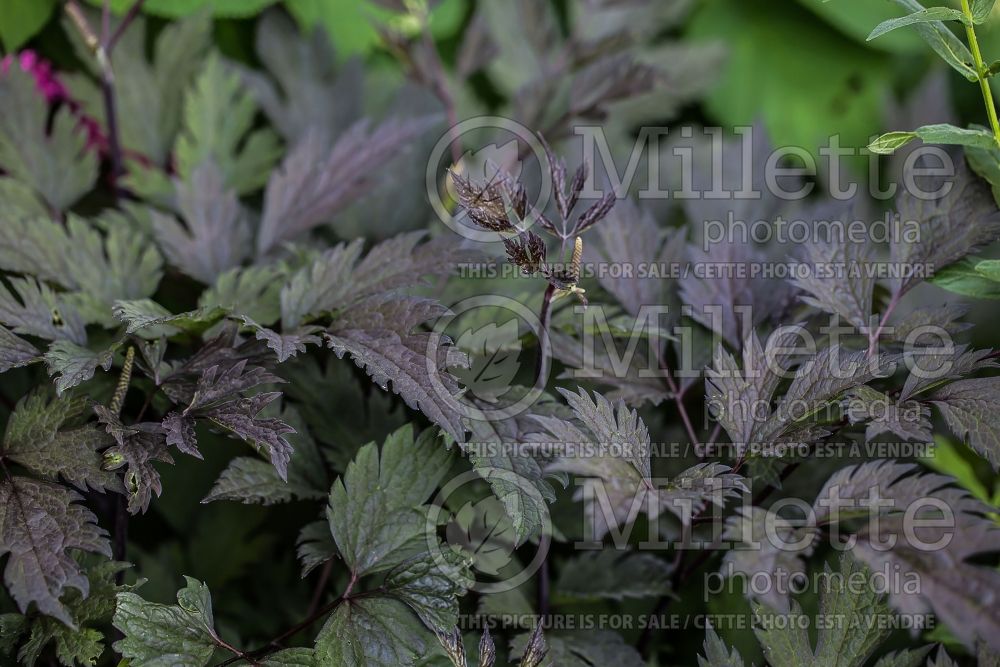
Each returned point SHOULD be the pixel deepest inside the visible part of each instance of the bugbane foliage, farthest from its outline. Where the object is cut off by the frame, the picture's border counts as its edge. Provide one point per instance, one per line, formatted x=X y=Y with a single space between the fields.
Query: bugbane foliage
x=239 y=346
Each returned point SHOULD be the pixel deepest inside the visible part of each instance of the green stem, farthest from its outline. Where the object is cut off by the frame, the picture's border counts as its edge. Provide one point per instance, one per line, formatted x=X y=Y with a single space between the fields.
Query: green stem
x=984 y=83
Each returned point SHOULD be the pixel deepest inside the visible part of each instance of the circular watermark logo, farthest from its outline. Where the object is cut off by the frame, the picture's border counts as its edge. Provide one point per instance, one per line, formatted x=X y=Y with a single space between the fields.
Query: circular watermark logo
x=511 y=144
x=481 y=531
x=491 y=327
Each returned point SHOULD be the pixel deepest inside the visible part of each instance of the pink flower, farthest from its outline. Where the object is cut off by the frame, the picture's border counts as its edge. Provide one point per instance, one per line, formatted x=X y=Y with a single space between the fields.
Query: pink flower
x=46 y=81
x=52 y=89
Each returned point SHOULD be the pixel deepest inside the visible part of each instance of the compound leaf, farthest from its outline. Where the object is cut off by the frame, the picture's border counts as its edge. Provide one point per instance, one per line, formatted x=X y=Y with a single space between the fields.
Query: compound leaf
x=160 y=635
x=216 y=234
x=55 y=162
x=314 y=182
x=613 y=575
x=716 y=652
x=950 y=226
x=853 y=632
x=39 y=523
x=372 y=632
x=379 y=335
x=614 y=453
x=218 y=114
x=376 y=512
x=38 y=438
x=972 y=410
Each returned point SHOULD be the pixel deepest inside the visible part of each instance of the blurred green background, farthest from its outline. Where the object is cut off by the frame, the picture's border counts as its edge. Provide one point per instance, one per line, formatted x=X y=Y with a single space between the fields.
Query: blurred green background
x=803 y=67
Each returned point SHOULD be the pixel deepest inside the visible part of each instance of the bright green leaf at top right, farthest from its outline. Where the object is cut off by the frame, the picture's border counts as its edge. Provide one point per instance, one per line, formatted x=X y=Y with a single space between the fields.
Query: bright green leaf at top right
x=856 y=18
x=835 y=86
x=981 y=10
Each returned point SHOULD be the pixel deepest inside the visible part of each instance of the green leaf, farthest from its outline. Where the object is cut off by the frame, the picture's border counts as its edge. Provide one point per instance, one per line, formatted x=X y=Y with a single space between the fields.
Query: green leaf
x=372 y=632
x=907 y=658
x=950 y=585
x=37 y=310
x=934 y=134
x=218 y=114
x=37 y=438
x=855 y=18
x=173 y=9
x=99 y=260
x=179 y=49
x=54 y=161
x=249 y=480
x=716 y=652
x=431 y=586
x=941 y=659
x=20 y=201
x=515 y=476
x=353 y=25
x=890 y=142
x=39 y=523
x=986 y=163
x=149 y=319
x=987 y=656
x=964 y=277
x=348 y=23
x=947 y=458
x=378 y=521
x=159 y=635
x=216 y=235
x=989 y=268
x=22 y=21
x=923 y=16
x=615 y=448
x=376 y=511
x=854 y=616
x=315 y=546
x=84 y=645
x=981 y=10
x=305 y=91
x=70 y=364
x=613 y=575
x=291 y=657
x=252 y=480
x=971 y=409
x=15 y=352
x=950 y=48
x=252 y=291
x=950 y=226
